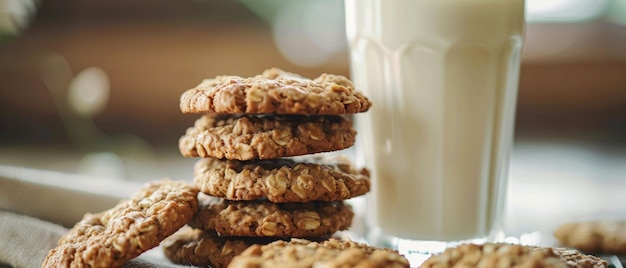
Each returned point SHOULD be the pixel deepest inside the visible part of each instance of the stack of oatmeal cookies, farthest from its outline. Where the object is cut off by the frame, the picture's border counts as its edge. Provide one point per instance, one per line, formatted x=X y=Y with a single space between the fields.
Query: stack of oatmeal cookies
x=260 y=173
x=265 y=194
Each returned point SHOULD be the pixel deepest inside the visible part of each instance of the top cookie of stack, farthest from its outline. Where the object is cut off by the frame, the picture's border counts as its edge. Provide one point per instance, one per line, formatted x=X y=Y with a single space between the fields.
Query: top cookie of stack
x=275 y=92
x=271 y=115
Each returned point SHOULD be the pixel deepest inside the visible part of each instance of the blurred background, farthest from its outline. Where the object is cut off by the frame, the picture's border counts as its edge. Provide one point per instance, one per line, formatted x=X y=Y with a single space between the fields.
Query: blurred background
x=93 y=86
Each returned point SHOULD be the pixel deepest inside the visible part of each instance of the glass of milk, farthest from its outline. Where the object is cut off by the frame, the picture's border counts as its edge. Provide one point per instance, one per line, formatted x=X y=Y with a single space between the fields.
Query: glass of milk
x=443 y=78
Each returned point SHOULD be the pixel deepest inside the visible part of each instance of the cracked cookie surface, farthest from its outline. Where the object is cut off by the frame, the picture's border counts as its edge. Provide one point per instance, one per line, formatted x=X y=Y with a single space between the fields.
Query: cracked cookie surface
x=298 y=179
x=245 y=137
x=331 y=253
x=275 y=92
x=263 y=218
x=113 y=237
x=511 y=255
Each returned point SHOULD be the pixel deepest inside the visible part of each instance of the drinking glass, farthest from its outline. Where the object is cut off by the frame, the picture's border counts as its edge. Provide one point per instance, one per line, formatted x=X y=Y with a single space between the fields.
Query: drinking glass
x=443 y=78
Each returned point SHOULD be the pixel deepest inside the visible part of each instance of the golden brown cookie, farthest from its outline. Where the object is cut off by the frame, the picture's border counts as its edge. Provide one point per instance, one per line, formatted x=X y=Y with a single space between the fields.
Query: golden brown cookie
x=275 y=92
x=594 y=236
x=299 y=179
x=113 y=237
x=244 y=137
x=205 y=248
x=574 y=258
x=510 y=255
x=263 y=218
x=304 y=253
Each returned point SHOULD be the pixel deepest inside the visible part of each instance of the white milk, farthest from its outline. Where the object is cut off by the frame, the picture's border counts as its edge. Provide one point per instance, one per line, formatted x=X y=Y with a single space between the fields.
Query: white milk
x=443 y=77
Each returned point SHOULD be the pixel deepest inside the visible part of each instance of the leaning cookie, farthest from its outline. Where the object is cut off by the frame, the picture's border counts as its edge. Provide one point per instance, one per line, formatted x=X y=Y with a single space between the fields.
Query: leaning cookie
x=263 y=218
x=113 y=237
x=275 y=92
x=607 y=237
x=205 y=248
x=300 y=179
x=244 y=137
x=331 y=253
x=510 y=255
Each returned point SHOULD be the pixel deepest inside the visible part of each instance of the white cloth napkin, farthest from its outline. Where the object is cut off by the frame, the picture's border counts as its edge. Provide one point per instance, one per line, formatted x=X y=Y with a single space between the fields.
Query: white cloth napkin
x=26 y=240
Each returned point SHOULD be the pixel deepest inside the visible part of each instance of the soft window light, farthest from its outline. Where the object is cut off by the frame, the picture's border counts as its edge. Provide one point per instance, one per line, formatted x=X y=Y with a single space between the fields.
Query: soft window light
x=564 y=10
x=309 y=33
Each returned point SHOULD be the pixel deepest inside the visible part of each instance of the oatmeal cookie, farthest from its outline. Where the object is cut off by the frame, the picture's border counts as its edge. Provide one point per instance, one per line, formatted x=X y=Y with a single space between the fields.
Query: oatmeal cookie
x=299 y=179
x=245 y=137
x=263 y=218
x=113 y=237
x=608 y=237
x=510 y=255
x=275 y=92
x=205 y=248
x=304 y=253
x=574 y=258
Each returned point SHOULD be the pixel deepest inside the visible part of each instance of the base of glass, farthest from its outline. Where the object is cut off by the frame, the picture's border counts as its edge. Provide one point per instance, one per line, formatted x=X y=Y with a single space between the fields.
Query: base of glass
x=417 y=251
